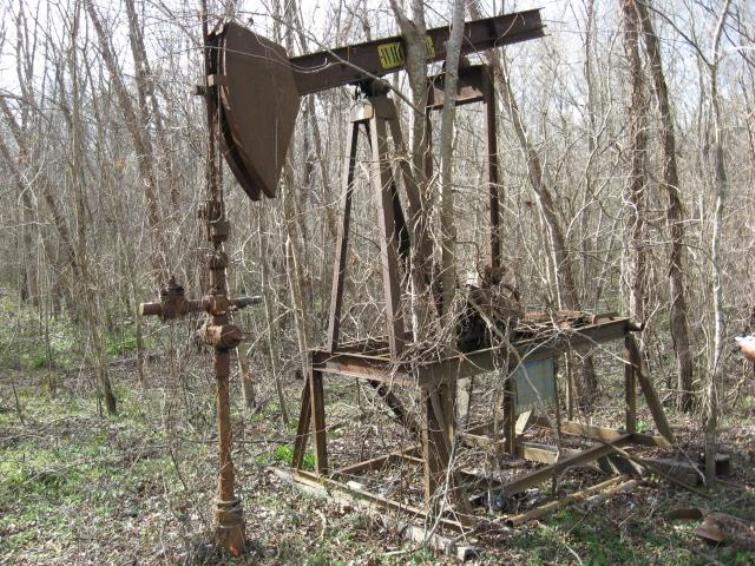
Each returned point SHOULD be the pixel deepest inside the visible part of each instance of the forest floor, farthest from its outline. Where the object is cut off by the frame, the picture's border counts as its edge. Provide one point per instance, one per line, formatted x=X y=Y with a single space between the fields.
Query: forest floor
x=77 y=487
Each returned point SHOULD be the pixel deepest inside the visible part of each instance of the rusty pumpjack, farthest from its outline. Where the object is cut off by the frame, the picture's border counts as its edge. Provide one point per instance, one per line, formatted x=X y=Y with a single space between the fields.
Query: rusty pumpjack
x=252 y=90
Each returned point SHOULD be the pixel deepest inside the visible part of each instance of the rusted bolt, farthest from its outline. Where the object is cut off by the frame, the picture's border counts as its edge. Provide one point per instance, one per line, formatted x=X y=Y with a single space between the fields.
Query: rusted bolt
x=216 y=304
x=173 y=300
x=151 y=309
x=223 y=336
x=219 y=230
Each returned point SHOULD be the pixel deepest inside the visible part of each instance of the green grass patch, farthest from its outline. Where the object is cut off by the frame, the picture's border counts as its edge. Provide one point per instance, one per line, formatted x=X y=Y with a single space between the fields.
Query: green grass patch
x=284 y=453
x=121 y=345
x=596 y=541
x=69 y=471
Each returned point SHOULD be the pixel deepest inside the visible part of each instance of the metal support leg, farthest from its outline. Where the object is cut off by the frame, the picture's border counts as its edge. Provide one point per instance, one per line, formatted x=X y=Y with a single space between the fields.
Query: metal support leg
x=339 y=263
x=317 y=400
x=381 y=172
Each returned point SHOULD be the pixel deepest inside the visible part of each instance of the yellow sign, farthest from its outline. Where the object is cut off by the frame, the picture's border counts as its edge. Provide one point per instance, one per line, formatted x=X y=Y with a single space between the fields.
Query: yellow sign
x=392 y=54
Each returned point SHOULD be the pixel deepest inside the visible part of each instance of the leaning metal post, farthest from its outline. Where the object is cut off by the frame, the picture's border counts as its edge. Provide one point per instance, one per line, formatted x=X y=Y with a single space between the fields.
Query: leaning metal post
x=218 y=332
x=223 y=337
x=229 y=515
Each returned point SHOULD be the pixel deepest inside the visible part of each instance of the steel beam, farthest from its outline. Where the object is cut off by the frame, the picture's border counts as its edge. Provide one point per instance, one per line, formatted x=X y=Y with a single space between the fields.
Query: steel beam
x=344 y=65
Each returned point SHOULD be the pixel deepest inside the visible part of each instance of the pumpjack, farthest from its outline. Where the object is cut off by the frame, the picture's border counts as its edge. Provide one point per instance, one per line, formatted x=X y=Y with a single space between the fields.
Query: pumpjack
x=253 y=90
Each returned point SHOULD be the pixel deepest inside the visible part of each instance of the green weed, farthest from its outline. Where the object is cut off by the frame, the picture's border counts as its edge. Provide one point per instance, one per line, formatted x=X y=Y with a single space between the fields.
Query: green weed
x=120 y=346
x=39 y=361
x=284 y=454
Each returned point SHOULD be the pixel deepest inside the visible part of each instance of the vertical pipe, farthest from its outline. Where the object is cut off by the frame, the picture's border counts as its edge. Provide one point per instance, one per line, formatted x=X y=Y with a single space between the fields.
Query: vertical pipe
x=229 y=519
x=225 y=475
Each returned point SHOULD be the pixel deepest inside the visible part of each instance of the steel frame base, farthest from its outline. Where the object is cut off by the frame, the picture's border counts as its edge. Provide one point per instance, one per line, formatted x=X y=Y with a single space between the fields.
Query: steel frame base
x=434 y=380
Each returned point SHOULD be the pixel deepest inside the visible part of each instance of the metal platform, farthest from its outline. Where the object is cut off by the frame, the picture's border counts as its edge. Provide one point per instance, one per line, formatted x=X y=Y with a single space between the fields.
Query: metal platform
x=434 y=380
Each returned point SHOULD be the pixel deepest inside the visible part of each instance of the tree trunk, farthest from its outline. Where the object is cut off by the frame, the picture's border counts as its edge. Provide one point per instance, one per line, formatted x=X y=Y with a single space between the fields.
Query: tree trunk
x=90 y=305
x=141 y=140
x=247 y=380
x=722 y=188
x=635 y=198
x=413 y=31
x=448 y=112
x=149 y=105
x=270 y=314
x=674 y=218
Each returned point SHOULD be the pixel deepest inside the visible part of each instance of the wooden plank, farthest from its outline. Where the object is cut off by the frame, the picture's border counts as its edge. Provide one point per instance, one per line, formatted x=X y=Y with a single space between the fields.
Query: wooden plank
x=437 y=441
x=446 y=393
x=573 y=428
x=604 y=488
x=364 y=466
x=412 y=459
x=317 y=399
x=569 y=385
x=593 y=432
x=683 y=471
x=530 y=451
x=650 y=465
x=302 y=429
x=464 y=390
x=522 y=422
x=479 y=440
x=430 y=470
x=544 y=453
x=377 y=462
x=434 y=444
x=541 y=453
x=339 y=263
x=539 y=476
x=483 y=428
x=442 y=402
x=651 y=397
x=509 y=418
x=381 y=503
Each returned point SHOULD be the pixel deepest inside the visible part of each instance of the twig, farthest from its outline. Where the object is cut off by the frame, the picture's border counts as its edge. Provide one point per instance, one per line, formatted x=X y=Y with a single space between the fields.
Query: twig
x=324 y=523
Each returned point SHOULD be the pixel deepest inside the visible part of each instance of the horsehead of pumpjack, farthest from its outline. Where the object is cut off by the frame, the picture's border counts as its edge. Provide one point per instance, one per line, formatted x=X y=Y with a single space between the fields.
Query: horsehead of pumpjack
x=260 y=85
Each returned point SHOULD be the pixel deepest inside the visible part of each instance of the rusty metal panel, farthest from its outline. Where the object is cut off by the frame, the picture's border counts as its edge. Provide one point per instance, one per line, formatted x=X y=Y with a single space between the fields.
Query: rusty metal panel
x=535 y=384
x=260 y=105
x=469 y=88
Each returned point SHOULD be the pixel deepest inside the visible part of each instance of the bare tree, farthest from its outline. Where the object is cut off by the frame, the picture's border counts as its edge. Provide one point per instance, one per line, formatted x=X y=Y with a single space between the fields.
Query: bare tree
x=635 y=214
x=447 y=216
x=562 y=261
x=140 y=137
x=413 y=31
x=674 y=215
x=722 y=189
